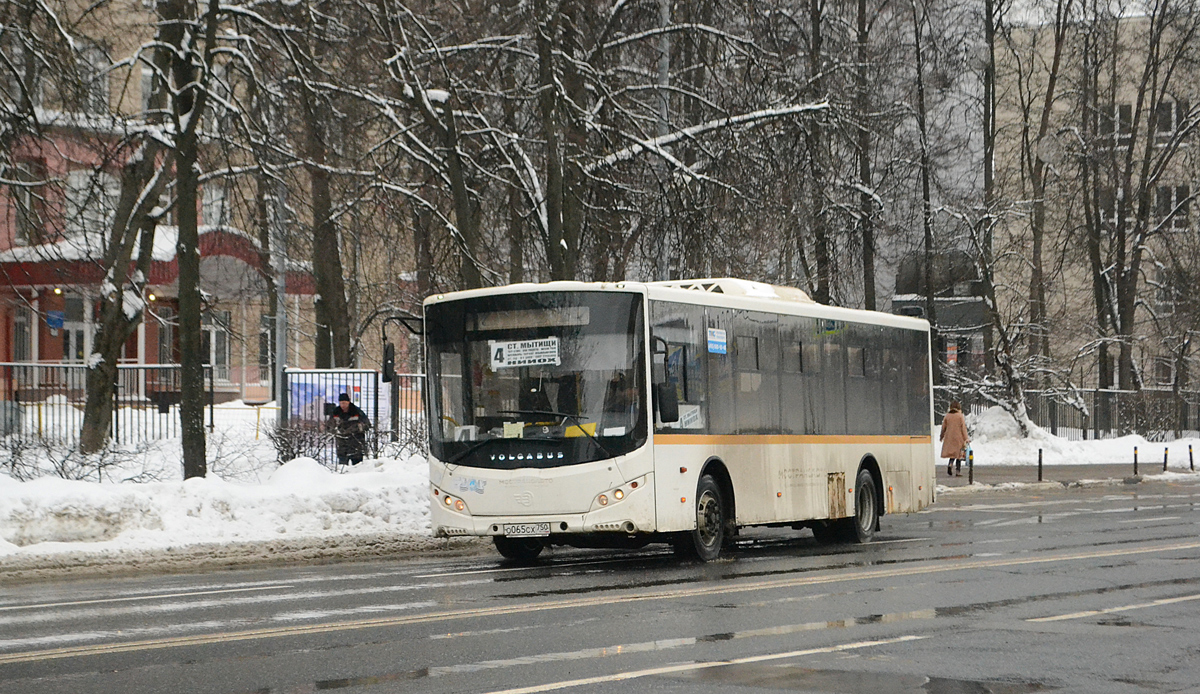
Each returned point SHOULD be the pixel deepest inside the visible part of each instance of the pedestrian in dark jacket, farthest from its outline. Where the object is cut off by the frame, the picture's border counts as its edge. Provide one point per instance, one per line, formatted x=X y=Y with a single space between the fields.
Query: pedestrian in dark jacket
x=350 y=426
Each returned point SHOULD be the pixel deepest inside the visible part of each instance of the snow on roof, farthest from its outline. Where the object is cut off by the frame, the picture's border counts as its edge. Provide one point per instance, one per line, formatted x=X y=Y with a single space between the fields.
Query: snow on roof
x=88 y=246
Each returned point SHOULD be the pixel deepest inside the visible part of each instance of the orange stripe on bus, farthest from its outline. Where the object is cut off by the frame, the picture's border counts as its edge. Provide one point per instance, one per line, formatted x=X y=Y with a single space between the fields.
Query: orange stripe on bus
x=760 y=439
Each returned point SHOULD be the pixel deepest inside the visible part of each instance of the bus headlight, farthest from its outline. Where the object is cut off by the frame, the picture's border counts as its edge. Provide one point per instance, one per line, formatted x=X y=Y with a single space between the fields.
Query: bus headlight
x=612 y=496
x=451 y=503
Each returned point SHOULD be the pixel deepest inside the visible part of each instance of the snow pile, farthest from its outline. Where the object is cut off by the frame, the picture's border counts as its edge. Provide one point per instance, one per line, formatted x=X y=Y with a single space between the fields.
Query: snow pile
x=995 y=439
x=300 y=499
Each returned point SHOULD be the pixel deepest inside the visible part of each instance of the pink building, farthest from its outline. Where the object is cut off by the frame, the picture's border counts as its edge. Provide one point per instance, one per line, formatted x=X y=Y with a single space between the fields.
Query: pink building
x=51 y=237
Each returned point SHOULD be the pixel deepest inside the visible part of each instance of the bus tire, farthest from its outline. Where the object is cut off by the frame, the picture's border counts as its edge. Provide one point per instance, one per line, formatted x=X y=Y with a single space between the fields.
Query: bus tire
x=861 y=527
x=709 y=535
x=518 y=548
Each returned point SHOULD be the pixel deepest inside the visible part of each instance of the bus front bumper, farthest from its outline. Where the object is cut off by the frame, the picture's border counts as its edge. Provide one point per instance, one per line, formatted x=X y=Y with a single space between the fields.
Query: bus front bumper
x=634 y=513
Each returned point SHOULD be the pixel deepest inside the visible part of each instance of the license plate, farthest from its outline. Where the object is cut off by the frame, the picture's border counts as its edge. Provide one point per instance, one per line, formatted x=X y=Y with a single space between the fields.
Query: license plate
x=527 y=529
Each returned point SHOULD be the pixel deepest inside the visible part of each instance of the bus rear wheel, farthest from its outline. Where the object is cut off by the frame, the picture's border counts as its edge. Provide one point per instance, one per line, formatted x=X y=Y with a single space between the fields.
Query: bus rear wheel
x=861 y=528
x=518 y=548
x=704 y=543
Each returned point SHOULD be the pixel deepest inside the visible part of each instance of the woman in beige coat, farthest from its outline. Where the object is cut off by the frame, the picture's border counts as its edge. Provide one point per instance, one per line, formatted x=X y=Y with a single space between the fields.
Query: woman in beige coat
x=954 y=439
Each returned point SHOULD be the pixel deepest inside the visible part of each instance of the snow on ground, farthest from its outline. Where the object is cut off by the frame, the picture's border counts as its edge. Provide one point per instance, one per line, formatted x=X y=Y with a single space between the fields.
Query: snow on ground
x=250 y=508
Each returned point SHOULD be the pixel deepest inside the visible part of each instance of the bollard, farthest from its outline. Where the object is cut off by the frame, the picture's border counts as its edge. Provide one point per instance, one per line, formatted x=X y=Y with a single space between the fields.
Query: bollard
x=970 y=467
x=1165 y=458
x=1135 y=461
x=1039 y=465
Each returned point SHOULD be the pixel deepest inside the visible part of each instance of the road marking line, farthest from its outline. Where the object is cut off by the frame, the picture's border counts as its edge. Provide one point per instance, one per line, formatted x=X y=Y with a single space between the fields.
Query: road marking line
x=1109 y=610
x=602 y=600
x=669 y=669
x=1149 y=520
x=156 y=596
x=506 y=569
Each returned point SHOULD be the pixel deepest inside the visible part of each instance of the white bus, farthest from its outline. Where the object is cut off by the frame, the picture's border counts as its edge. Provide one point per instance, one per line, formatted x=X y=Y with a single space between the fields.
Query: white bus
x=618 y=414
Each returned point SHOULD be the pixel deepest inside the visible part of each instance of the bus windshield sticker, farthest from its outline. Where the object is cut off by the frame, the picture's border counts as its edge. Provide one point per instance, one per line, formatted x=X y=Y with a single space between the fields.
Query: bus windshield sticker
x=716 y=341
x=510 y=354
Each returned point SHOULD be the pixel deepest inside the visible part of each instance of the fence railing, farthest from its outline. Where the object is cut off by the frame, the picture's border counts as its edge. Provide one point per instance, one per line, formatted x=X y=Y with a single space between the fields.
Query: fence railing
x=1156 y=414
x=45 y=403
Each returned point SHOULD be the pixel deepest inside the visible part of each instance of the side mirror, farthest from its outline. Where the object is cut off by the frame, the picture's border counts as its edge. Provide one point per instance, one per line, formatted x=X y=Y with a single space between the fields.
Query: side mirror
x=389 y=362
x=668 y=402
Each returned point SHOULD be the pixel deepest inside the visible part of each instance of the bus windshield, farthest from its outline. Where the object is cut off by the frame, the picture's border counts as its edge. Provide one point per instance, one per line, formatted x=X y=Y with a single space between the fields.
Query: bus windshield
x=536 y=380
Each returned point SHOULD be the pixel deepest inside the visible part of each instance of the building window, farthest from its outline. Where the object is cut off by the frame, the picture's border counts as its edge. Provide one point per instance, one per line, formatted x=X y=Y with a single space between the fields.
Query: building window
x=93 y=64
x=150 y=81
x=20 y=75
x=91 y=201
x=214 y=210
x=1118 y=125
x=29 y=202
x=22 y=342
x=1169 y=118
x=1109 y=202
x=75 y=333
x=214 y=343
x=1164 y=371
x=1171 y=205
x=266 y=347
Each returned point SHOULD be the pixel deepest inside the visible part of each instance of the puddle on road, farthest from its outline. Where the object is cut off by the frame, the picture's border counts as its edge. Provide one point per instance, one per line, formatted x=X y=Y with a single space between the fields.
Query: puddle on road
x=792 y=678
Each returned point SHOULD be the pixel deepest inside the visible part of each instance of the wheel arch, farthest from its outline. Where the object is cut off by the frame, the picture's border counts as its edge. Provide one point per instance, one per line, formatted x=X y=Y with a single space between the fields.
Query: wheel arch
x=716 y=467
x=869 y=463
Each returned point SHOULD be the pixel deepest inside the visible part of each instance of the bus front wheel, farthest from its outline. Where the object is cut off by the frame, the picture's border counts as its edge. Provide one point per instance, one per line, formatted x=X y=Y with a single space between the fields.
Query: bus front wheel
x=704 y=543
x=518 y=548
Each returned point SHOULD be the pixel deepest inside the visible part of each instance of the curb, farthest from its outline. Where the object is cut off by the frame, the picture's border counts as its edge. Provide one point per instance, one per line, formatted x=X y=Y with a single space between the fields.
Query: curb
x=238 y=555
x=1050 y=484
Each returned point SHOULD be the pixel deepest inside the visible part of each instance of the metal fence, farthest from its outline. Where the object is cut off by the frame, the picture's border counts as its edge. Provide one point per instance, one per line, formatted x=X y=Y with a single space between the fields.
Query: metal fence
x=1156 y=414
x=396 y=411
x=45 y=402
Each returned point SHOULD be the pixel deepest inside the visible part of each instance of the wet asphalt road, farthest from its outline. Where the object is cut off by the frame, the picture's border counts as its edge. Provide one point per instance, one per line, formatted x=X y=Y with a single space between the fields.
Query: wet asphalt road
x=1075 y=590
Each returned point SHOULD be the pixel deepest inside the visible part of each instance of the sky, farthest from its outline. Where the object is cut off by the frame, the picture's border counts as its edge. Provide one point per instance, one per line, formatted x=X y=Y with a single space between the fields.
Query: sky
x=248 y=498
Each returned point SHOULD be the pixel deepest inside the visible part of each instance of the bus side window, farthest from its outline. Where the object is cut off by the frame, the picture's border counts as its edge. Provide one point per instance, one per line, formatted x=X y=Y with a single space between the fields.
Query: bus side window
x=834 y=376
x=682 y=327
x=793 y=357
x=677 y=369
x=746 y=357
x=855 y=364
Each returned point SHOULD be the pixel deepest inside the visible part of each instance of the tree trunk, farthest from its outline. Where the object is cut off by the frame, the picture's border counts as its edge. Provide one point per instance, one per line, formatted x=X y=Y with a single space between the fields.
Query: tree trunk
x=926 y=199
x=816 y=157
x=332 y=312
x=866 y=203
x=556 y=245
x=191 y=358
x=1039 y=342
x=117 y=320
x=187 y=110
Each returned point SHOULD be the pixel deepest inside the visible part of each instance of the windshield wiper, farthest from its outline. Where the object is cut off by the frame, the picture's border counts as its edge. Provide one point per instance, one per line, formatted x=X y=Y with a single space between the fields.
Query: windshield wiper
x=471 y=449
x=564 y=415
